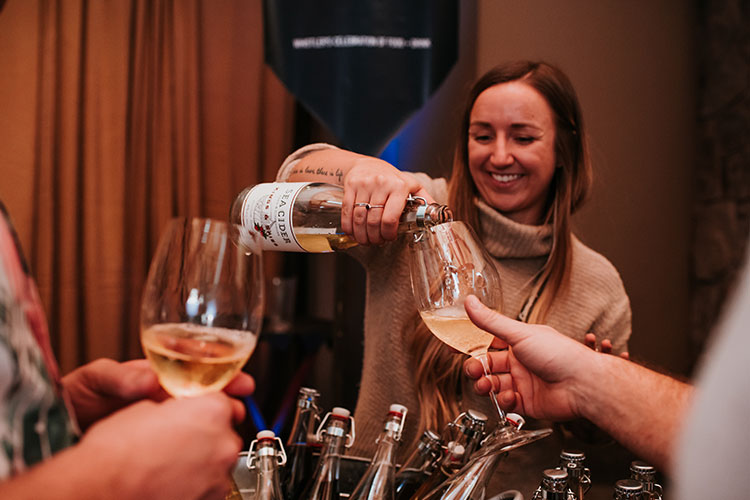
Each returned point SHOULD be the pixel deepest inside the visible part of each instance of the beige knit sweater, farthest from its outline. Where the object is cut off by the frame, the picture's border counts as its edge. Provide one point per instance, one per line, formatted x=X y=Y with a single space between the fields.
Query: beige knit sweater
x=597 y=303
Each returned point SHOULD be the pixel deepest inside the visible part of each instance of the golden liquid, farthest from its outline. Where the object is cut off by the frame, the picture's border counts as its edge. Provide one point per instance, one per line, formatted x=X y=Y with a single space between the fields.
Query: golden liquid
x=322 y=242
x=192 y=359
x=453 y=326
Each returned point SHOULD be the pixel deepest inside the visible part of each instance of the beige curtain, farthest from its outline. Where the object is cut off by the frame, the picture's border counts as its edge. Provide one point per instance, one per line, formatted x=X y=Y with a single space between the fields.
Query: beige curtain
x=116 y=115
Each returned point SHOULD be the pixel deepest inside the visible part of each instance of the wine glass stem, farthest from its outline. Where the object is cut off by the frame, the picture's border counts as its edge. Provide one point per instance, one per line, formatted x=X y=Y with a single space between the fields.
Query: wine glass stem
x=485 y=364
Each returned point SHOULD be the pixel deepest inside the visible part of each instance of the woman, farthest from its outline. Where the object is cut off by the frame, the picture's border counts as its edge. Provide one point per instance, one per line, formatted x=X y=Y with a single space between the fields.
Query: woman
x=521 y=169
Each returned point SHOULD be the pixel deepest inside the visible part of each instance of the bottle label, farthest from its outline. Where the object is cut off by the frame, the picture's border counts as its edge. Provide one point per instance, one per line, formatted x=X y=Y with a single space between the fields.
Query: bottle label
x=267 y=209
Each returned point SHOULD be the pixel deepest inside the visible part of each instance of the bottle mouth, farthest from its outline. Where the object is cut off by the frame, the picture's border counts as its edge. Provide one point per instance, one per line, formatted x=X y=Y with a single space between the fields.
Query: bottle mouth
x=447 y=213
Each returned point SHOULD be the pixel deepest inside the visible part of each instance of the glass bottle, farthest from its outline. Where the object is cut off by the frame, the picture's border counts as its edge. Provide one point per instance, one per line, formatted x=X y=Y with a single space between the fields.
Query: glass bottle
x=299 y=447
x=646 y=474
x=463 y=436
x=306 y=216
x=266 y=455
x=554 y=486
x=419 y=465
x=579 y=477
x=628 y=489
x=336 y=432
x=378 y=481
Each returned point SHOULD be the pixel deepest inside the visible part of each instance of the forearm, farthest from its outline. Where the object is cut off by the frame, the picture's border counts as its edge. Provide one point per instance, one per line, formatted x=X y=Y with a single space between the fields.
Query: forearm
x=70 y=474
x=642 y=409
x=325 y=165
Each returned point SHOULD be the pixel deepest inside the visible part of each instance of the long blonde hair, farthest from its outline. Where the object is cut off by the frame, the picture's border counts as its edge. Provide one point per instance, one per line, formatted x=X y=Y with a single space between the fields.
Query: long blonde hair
x=438 y=374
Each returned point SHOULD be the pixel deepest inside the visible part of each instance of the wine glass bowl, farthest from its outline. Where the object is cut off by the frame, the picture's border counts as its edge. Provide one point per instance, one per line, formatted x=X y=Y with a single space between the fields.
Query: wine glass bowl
x=447 y=263
x=202 y=304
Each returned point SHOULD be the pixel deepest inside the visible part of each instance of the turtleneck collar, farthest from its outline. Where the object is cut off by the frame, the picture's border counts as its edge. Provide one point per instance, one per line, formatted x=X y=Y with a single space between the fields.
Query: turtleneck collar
x=504 y=238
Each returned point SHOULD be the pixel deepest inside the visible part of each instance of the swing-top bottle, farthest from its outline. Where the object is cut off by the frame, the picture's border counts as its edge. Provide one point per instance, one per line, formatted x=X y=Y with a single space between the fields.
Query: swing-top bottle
x=336 y=432
x=646 y=474
x=306 y=216
x=419 y=465
x=300 y=444
x=266 y=456
x=463 y=436
x=579 y=477
x=628 y=489
x=554 y=486
x=378 y=481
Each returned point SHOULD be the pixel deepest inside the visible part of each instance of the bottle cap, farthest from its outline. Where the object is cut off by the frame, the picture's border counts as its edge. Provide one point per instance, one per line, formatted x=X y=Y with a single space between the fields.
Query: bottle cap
x=628 y=486
x=340 y=412
x=554 y=480
x=397 y=408
x=555 y=475
x=572 y=461
x=456 y=449
x=431 y=436
x=477 y=415
x=572 y=455
x=638 y=467
x=265 y=435
x=309 y=392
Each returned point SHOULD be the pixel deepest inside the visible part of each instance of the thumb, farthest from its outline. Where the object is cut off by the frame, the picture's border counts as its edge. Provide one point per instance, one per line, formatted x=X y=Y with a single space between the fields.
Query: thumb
x=502 y=327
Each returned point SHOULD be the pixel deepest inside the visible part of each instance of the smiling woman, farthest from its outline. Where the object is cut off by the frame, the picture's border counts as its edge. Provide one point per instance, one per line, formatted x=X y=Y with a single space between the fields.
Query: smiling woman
x=520 y=170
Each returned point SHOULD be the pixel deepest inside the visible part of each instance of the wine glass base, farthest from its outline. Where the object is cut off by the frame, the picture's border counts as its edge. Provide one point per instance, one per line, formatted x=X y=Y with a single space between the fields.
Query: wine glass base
x=503 y=440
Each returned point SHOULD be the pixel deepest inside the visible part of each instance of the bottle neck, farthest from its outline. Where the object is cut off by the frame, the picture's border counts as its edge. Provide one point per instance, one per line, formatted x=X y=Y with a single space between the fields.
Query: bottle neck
x=385 y=453
x=420 y=215
x=425 y=457
x=334 y=439
x=268 y=486
x=303 y=421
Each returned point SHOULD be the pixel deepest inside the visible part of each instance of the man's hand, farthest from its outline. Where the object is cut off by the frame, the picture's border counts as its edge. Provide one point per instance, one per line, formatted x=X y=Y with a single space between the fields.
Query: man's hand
x=538 y=374
x=104 y=386
x=176 y=449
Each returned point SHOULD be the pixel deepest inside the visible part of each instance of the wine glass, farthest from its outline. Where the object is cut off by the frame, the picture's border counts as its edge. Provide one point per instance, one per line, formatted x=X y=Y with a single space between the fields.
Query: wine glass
x=447 y=264
x=202 y=304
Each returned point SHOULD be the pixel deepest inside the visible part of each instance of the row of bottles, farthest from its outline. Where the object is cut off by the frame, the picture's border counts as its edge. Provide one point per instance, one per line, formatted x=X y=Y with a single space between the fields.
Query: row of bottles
x=435 y=459
x=571 y=480
x=451 y=466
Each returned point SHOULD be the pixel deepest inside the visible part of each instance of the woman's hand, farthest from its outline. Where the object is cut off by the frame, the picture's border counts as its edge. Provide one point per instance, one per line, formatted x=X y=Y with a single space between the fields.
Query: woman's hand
x=381 y=186
x=605 y=346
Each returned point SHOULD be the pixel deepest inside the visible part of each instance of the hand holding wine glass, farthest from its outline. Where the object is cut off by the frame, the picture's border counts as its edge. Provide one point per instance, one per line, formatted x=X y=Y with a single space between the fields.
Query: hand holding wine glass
x=202 y=305
x=447 y=264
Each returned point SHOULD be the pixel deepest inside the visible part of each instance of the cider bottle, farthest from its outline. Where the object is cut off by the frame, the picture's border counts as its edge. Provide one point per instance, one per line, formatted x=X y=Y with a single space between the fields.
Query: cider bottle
x=378 y=481
x=306 y=216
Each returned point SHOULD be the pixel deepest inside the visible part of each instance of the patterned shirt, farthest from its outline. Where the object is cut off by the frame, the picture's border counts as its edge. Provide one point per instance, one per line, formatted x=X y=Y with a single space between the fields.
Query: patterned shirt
x=34 y=419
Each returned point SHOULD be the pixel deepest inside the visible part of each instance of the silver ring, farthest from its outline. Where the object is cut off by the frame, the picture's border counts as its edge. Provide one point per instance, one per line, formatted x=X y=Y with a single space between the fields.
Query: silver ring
x=368 y=206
